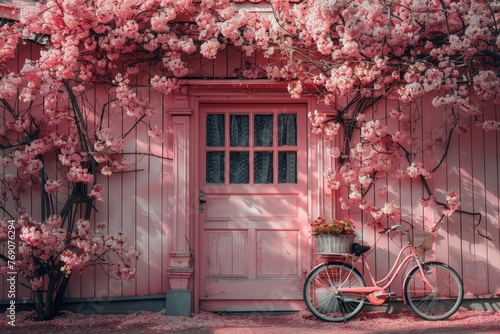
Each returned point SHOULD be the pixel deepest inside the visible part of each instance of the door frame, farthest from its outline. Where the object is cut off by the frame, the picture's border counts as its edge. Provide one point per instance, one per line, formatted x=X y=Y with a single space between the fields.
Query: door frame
x=199 y=92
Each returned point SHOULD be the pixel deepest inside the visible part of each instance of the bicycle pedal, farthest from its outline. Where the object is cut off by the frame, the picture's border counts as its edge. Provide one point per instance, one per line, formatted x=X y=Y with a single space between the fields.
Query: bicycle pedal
x=391 y=294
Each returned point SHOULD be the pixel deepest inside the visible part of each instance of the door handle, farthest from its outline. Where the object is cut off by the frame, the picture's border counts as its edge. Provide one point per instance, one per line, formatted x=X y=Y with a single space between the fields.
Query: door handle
x=202 y=201
x=202 y=197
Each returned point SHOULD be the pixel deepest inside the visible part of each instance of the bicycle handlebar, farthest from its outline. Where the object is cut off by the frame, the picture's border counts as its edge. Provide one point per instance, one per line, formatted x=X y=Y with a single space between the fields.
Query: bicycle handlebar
x=400 y=228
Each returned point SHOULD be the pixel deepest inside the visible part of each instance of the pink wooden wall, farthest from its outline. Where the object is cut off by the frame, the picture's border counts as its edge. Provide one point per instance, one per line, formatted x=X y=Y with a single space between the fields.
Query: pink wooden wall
x=138 y=201
x=472 y=168
x=145 y=201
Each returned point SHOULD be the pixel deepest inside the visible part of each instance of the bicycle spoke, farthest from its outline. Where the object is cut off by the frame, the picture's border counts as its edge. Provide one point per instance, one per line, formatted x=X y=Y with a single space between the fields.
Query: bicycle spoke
x=323 y=299
x=438 y=302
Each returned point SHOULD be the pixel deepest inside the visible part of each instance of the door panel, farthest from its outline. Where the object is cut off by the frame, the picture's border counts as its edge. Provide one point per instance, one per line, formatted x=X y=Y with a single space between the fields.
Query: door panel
x=253 y=224
x=225 y=253
x=284 y=247
x=252 y=206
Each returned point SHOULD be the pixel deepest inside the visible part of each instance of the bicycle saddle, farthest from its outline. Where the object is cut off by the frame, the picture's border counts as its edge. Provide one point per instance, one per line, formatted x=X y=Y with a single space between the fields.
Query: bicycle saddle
x=358 y=249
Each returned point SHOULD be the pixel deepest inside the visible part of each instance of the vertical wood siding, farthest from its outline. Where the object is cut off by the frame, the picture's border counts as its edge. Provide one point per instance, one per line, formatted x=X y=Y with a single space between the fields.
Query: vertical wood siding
x=140 y=201
x=136 y=200
x=472 y=168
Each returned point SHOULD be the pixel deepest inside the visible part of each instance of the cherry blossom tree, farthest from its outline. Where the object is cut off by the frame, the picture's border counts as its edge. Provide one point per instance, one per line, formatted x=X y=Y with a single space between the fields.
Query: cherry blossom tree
x=46 y=133
x=369 y=51
x=356 y=54
x=352 y=54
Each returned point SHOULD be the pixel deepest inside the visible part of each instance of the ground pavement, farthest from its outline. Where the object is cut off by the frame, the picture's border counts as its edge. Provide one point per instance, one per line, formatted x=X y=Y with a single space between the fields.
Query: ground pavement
x=464 y=321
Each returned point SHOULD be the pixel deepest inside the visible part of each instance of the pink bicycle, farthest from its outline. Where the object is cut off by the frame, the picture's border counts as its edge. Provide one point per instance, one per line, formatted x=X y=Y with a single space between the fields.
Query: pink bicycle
x=336 y=291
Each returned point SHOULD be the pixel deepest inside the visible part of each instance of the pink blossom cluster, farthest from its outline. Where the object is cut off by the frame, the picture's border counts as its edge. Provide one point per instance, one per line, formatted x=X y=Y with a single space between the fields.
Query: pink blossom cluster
x=9 y=42
x=491 y=126
x=9 y=85
x=330 y=130
x=107 y=144
x=164 y=84
x=452 y=203
x=63 y=143
x=374 y=131
x=90 y=37
x=376 y=156
x=321 y=126
x=48 y=248
x=78 y=174
x=128 y=99
x=295 y=89
x=4 y=229
x=108 y=151
x=376 y=48
x=388 y=210
x=358 y=176
x=371 y=47
x=155 y=133
x=97 y=192
x=416 y=170
x=393 y=48
x=486 y=84
x=316 y=118
x=428 y=201
x=331 y=178
x=52 y=186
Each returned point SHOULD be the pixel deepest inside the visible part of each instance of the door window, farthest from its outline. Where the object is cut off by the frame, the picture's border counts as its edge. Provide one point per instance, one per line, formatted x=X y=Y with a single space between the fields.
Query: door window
x=251 y=148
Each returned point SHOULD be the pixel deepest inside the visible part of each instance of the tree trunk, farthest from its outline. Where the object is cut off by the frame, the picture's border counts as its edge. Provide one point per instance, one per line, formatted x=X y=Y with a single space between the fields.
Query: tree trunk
x=48 y=303
x=39 y=303
x=60 y=294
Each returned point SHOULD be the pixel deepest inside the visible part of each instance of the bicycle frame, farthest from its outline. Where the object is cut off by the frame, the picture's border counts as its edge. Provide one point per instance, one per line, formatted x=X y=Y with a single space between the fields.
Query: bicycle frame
x=336 y=290
x=376 y=292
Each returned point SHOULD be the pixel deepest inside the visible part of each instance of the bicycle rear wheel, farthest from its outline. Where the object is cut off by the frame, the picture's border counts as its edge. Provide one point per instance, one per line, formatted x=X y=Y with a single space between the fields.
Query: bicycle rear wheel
x=442 y=300
x=320 y=293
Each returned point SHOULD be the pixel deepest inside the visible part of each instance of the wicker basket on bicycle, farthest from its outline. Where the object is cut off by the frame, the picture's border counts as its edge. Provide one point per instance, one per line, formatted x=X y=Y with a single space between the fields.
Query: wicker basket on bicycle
x=421 y=240
x=334 y=237
x=333 y=244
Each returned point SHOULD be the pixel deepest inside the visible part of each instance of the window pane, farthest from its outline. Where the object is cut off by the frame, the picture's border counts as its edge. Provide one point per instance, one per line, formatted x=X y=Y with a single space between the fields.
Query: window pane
x=287 y=167
x=287 y=129
x=215 y=167
x=239 y=130
x=263 y=167
x=215 y=130
x=238 y=167
x=263 y=130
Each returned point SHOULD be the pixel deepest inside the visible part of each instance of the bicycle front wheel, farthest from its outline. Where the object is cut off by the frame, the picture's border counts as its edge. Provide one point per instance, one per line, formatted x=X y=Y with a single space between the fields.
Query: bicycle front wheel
x=438 y=302
x=323 y=299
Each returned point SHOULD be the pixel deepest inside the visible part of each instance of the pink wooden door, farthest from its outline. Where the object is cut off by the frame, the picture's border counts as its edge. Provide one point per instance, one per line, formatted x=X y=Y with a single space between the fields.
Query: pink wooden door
x=253 y=225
